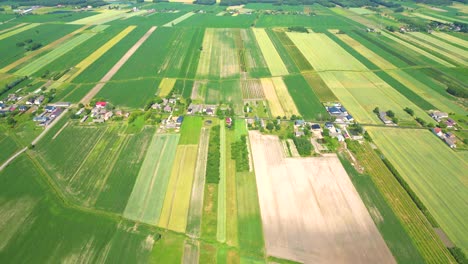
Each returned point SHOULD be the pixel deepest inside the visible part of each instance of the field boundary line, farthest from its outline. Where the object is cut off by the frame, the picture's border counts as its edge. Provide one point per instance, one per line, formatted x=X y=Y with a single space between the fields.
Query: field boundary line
x=18 y=30
x=44 y=49
x=13 y=27
x=60 y=131
x=87 y=98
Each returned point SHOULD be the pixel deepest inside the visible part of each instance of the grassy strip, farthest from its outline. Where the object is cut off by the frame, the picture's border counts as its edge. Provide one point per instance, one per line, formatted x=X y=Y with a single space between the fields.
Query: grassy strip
x=213 y=163
x=319 y=87
x=299 y=60
x=19 y=30
x=221 y=231
x=231 y=195
x=190 y=130
x=272 y=58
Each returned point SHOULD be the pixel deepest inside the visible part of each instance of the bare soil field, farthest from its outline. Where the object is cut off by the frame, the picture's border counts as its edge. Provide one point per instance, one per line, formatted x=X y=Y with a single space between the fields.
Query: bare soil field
x=310 y=210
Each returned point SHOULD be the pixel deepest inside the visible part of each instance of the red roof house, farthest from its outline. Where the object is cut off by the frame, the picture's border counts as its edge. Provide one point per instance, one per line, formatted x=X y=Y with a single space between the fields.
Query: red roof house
x=101 y=104
x=228 y=121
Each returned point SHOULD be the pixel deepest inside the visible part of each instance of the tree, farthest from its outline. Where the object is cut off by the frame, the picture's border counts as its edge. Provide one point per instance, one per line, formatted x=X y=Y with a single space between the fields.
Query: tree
x=409 y=111
x=80 y=105
x=390 y=114
x=11 y=121
x=376 y=110
x=270 y=126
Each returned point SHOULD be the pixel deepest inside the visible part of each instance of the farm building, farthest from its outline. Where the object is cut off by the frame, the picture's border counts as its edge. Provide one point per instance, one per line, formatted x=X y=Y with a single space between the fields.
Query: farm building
x=383 y=116
x=2 y=106
x=437 y=131
x=438 y=115
x=450 y=142
x=101 y=104
x=228 y=121
x=180 y=119
x=50 y=108
x=315 y=127
x=39 y=100
x=61 y=104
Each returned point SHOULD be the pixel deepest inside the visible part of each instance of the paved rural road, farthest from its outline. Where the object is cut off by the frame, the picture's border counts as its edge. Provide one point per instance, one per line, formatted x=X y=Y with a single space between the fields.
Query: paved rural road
x=39 y=137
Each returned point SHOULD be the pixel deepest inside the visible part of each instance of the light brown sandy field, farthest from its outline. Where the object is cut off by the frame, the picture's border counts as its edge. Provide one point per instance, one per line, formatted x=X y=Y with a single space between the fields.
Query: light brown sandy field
x=310 y=210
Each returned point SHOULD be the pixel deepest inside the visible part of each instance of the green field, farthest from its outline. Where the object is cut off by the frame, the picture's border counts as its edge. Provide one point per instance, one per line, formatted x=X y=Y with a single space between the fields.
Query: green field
x=147 y=197
x=422 y=170
x=190 y=130
x=134 y=93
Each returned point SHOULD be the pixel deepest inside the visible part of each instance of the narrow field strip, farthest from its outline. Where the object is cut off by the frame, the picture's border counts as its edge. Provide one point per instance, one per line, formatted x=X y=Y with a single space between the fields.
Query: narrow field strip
x=43 y=49
x=191 y=252
x=282 y=93
x=416 y=40
x=221 y=228
x=451 y=38
x=177 y=201
x=41 y=62
x=165 y=87
x=453 y=50
x=270 y=94
x=179 y=19
x=252 y=90
x=196 y=200
x=205 y=55
x=116 y=67
x=19 y=30
x=431 y=18
x=292 y=147
x=80 y=67
x=104 y=17
x=270 y=54
x=418 y=50
x=147 y=197
x=429 y=94
x=13 y=27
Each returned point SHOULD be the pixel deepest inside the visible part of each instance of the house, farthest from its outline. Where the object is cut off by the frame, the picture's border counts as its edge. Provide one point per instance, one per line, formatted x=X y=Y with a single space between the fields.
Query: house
x=101 y=104
x=164 y=101
x=384 y=118
x=343 y=110
x=39 y=100
x=299 y=122
x=315 y=127
x=167 y=108
x=61 y=104
x=228 y=121
x=84 y=119
x=209 y=111
x=30 y=101
x=22 y=108
x=334 y=110
x=299 y=133
x=172 y=101
x=2 y=106
x=450 y=122
x=340 y=138
x=450 y=142
x=108 y=115
x=438 y=115
x=437 y=131
x=56 y=112
x=450 y=135
x=329 y=125
x=40 y=119
x=349 y=118
x=156 y=106
x=180 y=119
x=50 y=108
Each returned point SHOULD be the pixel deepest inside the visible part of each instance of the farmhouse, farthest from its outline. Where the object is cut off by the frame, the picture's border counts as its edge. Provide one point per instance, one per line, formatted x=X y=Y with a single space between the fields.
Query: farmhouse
x=228 y=121
x=2 y=106
x=39 y=100
x=384 y=118
x=108 y=115
x=315 y=127
x=101 y=104
x=50 y=108
x=450 y=142
x=179 y=120
x=167 y=108
x=438 y=115
x=450 y=123
x=437 y=131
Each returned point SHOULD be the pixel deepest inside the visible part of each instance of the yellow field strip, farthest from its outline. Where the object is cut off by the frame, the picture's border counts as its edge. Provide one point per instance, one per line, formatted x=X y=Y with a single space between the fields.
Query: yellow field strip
x=431 y=18
x=45 y=48
x=451 y=38
x=13 y=27
x=101 y=18
x=165 y=87
x=450 y=50
x=272 y=58
x=174 y=213
x=19 y=30
x=270 y=94
x=282 y=93
x=80 y=67
x=416 y=49
x=407 y=80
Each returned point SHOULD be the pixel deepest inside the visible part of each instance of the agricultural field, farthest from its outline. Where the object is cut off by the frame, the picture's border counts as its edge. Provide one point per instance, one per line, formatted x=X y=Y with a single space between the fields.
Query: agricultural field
x=325 y=215
x=421 y=169
x=220 y=177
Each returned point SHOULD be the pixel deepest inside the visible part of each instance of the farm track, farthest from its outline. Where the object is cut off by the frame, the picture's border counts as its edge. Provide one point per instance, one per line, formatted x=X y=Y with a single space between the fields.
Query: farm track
x=116 y=67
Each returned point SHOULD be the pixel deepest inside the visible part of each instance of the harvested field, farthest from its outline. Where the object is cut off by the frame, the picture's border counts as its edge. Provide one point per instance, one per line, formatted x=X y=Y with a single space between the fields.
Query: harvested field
x=84 y=64
x=165 y=87
x=116 y=67
x=179 y=19
x=104 y=17
x=174 y=213
x=16 y=31
x=147 y=198
x=272 y=58
x=196 y=200
x=278 y=97
x=315 y=228
x=252 y=90
x=293 y=149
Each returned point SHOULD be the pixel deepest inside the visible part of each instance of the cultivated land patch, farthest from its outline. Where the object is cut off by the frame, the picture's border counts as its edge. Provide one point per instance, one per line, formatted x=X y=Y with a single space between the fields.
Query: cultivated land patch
x=417 y=49
x=311 y=211
x=190 y=130
x=177 y=201
x=451 y=39
x=19 y=30
x=429 y=94
x=104 y=17
x=219 y=58
x=84 y=64
x=252 y=89
x=147 y=198
x=272 y=58
x=196 y=199
x=359 y=89
x=165 y=86
x=221 y=227
x=434 y=172
x=117 y=67
x=270 y=94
